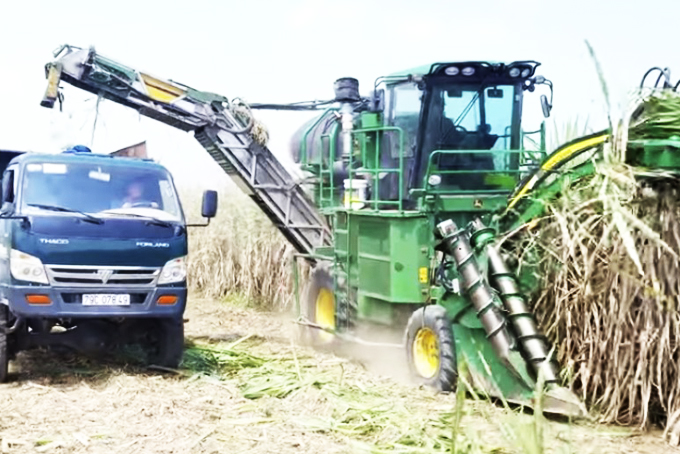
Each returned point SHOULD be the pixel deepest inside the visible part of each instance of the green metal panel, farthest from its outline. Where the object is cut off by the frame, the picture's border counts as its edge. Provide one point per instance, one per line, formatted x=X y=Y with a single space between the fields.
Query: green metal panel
x=375 y=310
x=386 y=256
x=373 y=262
x=411 y=240
x=392 y=252
x=488 y=373
x=461 y=310
x=663 y=154
x=370 y=120
x=473 y=205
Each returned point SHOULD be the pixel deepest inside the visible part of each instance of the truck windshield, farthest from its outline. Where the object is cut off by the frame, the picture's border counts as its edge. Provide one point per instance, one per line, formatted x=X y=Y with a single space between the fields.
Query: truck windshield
x=103 y=189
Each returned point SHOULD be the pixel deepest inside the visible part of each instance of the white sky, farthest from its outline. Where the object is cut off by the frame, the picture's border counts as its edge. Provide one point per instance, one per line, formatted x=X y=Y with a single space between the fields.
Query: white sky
x=293 y=50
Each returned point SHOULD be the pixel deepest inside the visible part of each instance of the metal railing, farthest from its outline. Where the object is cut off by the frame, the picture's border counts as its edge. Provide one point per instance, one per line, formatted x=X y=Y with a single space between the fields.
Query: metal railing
x=377 y=172
x=505 y=173
x=479 y=176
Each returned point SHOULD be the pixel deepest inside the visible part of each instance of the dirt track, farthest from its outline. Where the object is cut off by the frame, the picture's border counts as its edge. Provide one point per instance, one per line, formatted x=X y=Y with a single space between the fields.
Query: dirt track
x=70 y=404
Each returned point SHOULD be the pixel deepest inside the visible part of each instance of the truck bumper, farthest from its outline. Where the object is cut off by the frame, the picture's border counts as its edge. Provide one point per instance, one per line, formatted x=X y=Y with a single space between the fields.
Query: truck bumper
x=66 y=302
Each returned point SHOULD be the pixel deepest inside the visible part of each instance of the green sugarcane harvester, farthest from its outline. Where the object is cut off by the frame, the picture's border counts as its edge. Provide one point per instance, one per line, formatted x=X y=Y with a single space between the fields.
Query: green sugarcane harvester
x=398 y=213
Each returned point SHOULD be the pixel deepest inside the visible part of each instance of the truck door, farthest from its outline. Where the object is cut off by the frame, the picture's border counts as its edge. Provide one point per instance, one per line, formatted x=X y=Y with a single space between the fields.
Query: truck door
x=7 y=198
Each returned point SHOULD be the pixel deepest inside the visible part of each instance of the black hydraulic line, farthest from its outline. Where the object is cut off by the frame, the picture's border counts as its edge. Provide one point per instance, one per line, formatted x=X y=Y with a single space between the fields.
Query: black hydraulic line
x=305 y=105
x=665 y=73
x=441 y=275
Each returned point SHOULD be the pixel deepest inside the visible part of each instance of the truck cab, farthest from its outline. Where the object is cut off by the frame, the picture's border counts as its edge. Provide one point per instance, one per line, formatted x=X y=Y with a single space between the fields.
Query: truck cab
x=96 y=246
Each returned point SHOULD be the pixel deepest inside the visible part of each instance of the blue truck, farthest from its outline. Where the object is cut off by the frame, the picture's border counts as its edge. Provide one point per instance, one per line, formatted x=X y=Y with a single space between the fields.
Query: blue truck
x=93 y=252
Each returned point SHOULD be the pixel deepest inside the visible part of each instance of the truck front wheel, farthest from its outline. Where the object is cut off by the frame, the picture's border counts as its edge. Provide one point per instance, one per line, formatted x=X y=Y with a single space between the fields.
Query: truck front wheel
x=4 y=344
x=169 y=346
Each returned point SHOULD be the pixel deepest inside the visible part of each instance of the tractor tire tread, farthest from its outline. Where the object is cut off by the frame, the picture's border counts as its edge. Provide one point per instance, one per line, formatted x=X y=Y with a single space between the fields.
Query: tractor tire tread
x=436 y=318
x=319 y=278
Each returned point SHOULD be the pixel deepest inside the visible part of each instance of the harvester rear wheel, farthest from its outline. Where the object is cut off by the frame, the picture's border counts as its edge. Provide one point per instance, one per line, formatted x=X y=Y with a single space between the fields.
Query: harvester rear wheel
x=430 y=348
x=318 y=307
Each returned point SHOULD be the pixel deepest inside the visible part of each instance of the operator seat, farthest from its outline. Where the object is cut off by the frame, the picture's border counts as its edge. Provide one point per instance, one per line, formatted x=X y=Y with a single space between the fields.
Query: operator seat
x=477 y=165
x=484 y=140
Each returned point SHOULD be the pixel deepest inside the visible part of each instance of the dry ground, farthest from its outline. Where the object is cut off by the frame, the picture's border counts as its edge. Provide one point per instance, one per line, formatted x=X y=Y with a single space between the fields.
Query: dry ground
x=70 y=404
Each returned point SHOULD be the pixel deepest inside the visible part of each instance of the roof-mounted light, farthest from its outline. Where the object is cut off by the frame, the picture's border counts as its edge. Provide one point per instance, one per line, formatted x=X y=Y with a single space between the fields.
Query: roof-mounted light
x=468 y=71
x=452 y=71
x=516 y=70
x=521 y=69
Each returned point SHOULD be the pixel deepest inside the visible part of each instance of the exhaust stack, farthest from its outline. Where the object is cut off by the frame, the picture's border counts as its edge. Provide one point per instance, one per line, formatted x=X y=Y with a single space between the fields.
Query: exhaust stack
x=347 y=94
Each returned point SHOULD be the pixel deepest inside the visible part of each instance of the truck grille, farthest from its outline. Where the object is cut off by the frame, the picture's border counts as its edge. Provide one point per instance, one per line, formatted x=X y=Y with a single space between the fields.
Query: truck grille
x=97 y=276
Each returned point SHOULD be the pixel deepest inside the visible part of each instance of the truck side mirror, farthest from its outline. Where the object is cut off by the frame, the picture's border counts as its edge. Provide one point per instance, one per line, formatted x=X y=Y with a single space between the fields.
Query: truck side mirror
x=546 y=106
x=209 y=208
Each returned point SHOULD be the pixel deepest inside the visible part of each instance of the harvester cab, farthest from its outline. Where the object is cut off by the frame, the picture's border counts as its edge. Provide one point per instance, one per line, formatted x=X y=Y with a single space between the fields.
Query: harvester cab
x=479 y=114
x=392 y=212
x=446 y=137
x=462 y=126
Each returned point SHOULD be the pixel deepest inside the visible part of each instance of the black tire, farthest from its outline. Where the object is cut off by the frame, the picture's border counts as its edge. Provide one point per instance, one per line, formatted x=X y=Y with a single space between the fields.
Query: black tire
x=316 y=294
x=171 y=348
x=168 y=350
x=4 y=344
x=429 y=334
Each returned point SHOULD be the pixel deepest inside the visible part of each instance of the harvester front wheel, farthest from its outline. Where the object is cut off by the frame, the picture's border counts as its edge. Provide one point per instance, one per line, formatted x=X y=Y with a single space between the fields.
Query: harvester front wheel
x=318 y=307
x=430 y=348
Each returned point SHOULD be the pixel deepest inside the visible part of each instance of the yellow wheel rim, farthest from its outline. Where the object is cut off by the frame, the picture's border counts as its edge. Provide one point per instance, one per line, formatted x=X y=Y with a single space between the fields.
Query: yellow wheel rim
x=426 y=353
x=325 y=313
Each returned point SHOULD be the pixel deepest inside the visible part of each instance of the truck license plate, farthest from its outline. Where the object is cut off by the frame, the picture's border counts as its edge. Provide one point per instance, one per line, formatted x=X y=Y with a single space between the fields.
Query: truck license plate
x=106 y=300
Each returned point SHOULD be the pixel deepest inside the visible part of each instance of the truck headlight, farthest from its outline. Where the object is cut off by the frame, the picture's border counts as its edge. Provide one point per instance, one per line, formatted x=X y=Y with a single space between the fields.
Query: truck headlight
x=25 y=267
x=173 y=271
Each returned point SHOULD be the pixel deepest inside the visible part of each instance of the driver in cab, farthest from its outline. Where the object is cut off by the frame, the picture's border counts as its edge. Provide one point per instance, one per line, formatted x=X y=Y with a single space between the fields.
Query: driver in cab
x=135 y=197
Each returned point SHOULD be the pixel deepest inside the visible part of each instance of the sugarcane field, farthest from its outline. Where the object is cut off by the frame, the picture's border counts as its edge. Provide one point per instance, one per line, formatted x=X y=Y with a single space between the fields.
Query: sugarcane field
x=339 y=227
